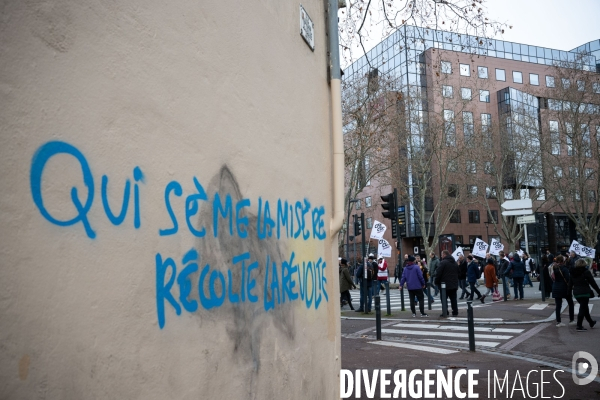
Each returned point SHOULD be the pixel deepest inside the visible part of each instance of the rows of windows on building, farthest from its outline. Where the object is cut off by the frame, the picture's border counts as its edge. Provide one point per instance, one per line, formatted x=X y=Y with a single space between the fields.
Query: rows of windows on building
x=398 y=54
x=401 y=56
x=500 y=75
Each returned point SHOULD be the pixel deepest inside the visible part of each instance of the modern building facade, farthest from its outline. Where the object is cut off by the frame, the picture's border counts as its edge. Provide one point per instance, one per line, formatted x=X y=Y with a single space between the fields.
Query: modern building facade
x=491 y=83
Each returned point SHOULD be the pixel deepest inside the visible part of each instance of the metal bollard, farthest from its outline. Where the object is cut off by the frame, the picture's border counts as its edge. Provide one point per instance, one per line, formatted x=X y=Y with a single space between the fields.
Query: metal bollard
x=378 y=316
x=429 y=296
x=471 y=325
x=504 y=288
x=402 y=298
x=444 y=300
x=541 y=278
x=387 y=298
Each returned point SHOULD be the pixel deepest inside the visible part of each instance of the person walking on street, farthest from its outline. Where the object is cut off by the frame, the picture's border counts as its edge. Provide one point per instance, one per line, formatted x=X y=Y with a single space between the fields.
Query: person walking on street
x=415 y=283
x=372 y=282
x=560 y=277
x=582 y=283
x=426 y=276
x=517 y=268
x=502 y=268
x=447 y=272
x=594 y=267
x=346 y=283
x=382 y=273
x=473 y=273
x=433 y=264
x=462 y=276
x=573 y=257
x=362 y=282
x=491 y=281
x=528 y=270
x=544 y=273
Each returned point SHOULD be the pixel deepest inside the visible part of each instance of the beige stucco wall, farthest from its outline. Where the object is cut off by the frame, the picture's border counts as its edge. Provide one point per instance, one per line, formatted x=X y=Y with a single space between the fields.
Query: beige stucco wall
x=225 y=92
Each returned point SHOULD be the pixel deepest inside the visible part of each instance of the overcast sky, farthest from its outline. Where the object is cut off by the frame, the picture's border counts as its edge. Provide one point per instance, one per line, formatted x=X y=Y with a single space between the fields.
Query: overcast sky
x=557 y=24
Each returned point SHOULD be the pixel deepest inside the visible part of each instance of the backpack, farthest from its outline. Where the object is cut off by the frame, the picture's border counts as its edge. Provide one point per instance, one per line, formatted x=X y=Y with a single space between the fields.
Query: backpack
x=371 y=274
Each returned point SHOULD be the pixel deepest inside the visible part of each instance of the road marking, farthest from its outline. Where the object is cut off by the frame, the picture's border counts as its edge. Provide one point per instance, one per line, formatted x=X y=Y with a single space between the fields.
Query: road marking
x=475 y=319
x=436 y=333
x=436 y=350
x=362 y=332
x=520 y=339
x=459 y=328
x=538 y=306
x=477 y=342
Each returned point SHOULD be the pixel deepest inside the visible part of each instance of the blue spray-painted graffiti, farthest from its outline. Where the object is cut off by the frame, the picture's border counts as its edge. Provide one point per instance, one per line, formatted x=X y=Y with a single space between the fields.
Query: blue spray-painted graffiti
x=310 y=278
x=221 y=208
x=38 y=164
x=284 y=282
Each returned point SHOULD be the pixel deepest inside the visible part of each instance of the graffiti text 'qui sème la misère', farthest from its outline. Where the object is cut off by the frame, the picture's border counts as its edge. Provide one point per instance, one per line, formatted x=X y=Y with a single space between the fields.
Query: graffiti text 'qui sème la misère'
x=294 y=220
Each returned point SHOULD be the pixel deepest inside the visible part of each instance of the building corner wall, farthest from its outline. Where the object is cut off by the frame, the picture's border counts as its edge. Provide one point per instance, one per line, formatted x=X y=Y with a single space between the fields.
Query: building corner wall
x=165 y=202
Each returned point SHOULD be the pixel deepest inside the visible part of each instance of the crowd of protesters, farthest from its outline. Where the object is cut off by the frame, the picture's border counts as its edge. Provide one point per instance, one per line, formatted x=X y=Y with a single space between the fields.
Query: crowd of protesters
x=564 y=278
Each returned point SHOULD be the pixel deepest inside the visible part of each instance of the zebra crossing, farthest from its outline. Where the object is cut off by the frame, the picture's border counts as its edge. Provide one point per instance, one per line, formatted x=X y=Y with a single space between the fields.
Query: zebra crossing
x=445 y=334
x=396 y=301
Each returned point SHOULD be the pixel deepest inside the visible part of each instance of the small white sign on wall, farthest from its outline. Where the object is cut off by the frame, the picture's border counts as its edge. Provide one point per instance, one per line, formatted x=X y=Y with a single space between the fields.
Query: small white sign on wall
x=307 y=28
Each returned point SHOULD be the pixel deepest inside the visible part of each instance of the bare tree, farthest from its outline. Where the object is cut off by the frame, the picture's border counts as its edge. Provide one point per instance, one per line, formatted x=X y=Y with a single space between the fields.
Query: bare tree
x=437 y=164
x=370 y=117
x=512 y=156
x=372 y=20
x=571 y=153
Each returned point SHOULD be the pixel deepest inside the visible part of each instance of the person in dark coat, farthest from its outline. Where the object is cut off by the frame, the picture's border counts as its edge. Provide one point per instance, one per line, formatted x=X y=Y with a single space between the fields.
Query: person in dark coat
x=560 y=276
x=462 y=276
x=447 y=272
x=544 y=274
x=573 y=257
x=415 y=282
x=473 y=271
x=582 y=283
x=502 y=268
x=517 y=269
x=433 y=264
x=346 y=283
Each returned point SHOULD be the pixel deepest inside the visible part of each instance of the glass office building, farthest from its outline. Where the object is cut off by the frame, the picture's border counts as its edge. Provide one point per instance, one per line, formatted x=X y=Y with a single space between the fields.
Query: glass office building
x=591 y=49
x=399 y=53
x=401 y=58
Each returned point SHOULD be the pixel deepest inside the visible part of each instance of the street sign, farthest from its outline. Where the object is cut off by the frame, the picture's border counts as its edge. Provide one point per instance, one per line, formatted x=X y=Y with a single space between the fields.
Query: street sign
x=516 y=204
x=529 y=219
x=517 y=212
x=307 y=28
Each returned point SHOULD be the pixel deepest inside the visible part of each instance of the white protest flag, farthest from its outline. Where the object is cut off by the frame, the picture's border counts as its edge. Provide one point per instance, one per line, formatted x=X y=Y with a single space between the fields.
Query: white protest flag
x=496 y=247
x=479 y=248
x=520 y=253
x=384 y=249
x=582 y=250
x=574 y=247
x=458 y=252
x=378 y=230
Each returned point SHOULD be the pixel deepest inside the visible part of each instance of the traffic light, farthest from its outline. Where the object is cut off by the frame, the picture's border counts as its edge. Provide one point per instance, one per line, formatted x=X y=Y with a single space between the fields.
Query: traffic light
x=357 y=227
x=390 y=207
x=401 y=221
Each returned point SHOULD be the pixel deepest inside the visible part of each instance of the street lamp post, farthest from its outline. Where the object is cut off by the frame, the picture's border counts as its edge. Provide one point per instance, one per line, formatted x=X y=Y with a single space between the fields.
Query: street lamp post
x=348 y=228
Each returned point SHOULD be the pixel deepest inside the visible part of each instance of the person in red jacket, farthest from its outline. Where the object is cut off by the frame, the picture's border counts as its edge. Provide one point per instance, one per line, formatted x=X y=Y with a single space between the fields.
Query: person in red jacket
x=382 y=272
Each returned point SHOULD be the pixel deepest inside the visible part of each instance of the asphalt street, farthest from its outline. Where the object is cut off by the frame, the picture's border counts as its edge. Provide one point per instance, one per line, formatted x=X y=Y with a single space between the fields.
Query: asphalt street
x=510 y=336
